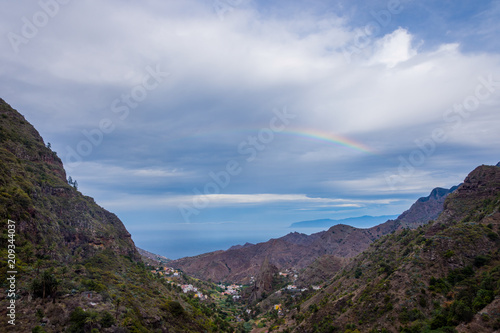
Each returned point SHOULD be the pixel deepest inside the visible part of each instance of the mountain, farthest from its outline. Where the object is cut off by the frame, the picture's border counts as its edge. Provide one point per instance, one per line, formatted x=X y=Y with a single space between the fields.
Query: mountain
x=297 y=251
x=327 y=223
x=425 y=208
x=235 y=247
x=440 y=277
x=76 y=267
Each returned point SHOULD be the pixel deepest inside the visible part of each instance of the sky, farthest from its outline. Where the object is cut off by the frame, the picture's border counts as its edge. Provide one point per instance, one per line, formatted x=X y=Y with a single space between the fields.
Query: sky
x=205 y=124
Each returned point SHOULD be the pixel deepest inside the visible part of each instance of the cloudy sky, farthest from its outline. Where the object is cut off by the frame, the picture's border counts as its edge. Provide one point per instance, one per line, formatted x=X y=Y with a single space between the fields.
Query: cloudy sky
x=207 y=123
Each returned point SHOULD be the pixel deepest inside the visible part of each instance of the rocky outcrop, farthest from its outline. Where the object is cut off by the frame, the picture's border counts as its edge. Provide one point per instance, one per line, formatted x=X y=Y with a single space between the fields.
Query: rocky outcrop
x=263 y=284
x=425 y=208
x=34 y=192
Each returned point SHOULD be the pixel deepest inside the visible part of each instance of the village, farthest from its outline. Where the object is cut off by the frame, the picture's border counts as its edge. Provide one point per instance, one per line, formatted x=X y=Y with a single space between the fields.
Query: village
x=224 y=292
x=173 y=275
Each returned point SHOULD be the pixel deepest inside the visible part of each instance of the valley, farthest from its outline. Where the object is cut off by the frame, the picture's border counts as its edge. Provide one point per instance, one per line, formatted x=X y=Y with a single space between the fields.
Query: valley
x=434 y=268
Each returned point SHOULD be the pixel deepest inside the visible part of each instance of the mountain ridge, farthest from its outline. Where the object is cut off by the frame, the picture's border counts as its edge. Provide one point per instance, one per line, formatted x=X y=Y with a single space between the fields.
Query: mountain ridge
x=436 y=278
x=77 y=267
x=298 y=251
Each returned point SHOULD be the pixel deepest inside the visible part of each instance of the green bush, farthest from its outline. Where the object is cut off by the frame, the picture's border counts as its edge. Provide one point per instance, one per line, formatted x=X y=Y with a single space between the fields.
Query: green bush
x=460 y=311
x=492 y=235
x=438 y=285
x=107 y=320
x=483 y=298
x=448 y=254
x=459 y=275
x=174 y=307
x=481 y=260
x=77 y=320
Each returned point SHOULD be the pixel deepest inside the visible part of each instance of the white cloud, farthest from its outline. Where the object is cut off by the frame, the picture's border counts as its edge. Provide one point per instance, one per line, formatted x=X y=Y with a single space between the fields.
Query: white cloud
x=234 y=200
x=295 y=61
x=96 y=179
x=394 y=48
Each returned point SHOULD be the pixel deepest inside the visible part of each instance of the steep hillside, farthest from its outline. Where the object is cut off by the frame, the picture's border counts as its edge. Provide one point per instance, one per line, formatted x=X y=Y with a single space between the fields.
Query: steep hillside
x=441 y=277
x=152 y=259
x=425 y=208
x=34 y=192
x=297 y=251
x=76 y=266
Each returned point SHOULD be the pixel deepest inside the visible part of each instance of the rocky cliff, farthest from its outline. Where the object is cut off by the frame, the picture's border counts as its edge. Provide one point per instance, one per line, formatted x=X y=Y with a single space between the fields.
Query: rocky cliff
x=34 y=192
x=77 y=267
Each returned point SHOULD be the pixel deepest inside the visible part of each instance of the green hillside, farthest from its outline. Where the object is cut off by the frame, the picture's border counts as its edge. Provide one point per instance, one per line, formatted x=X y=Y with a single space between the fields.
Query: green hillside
x=77 y=267
x=441 y=277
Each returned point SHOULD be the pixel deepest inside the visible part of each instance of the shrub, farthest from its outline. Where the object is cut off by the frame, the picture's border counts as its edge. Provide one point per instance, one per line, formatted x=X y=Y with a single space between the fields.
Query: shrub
x=448 y=254
x=174 y=307
x=492 y=235
x=460 y=311
x=77 y=320
x=460 y=274
x=483 y=298
x=481 y=260
x=438 y=285
x=358 y=273
x=107 y=320
x=422 y=301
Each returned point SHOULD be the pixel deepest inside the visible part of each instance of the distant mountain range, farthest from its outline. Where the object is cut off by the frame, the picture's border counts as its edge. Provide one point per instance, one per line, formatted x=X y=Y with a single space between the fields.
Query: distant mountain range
x=361 y=221
x=298 y=251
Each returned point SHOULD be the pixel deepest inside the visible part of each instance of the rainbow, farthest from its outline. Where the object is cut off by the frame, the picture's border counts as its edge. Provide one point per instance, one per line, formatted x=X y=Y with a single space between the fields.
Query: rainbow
x=330 y=138
x=312 y=134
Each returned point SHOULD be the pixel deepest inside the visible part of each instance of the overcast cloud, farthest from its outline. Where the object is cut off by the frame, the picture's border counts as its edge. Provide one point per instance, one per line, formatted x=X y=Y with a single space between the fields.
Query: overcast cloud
x=279 y=111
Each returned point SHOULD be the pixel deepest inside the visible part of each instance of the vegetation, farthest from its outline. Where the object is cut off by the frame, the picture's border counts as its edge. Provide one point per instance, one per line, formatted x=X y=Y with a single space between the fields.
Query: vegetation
x=430 y=279
x=76 y=263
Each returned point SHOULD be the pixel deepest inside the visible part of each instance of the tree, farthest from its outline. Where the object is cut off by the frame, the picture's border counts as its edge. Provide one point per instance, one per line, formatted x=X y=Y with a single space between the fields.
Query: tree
x=73 y=183
x=45 y=286
x=107 y=320
x=92 y=319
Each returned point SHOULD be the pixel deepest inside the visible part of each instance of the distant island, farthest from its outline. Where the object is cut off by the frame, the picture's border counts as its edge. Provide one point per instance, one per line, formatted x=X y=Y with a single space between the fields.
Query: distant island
x=365 y=221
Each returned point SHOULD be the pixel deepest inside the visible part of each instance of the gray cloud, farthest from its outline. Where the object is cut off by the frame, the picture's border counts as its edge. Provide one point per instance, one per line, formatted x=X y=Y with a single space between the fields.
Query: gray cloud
x=87 y=75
